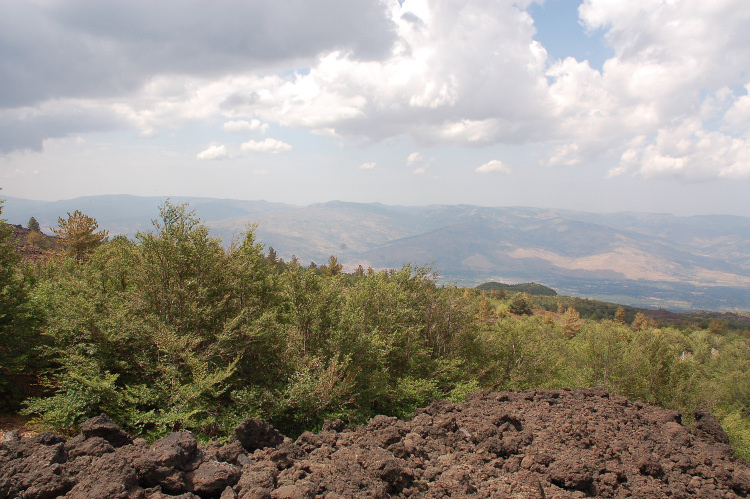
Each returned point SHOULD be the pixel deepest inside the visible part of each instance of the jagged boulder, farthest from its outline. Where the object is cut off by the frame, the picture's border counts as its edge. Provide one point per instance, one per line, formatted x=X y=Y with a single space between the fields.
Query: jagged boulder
x=103 y=427
x=255 y=434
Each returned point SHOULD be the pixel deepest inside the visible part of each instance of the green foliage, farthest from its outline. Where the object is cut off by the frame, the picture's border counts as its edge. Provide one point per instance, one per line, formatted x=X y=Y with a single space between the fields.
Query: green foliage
x=531 y=288
x=19 y=322
x=78 y=234
x=588 y=308
x=33 y=225
x=333 y=268
x=520 y=304
x=597 y=356
x=737 y=426
x=163 y=323
x=521 y=354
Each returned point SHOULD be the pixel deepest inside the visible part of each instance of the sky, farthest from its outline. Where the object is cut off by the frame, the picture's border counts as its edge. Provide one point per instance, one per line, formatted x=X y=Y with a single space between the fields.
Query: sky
x=597 y=105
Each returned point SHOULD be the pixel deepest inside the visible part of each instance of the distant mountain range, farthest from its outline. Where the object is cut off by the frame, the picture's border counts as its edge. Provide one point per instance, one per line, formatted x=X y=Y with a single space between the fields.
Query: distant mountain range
x=657 y=260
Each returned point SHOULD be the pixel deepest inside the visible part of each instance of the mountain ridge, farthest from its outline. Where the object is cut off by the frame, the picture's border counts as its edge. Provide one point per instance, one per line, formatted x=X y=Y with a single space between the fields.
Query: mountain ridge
x=659 y=260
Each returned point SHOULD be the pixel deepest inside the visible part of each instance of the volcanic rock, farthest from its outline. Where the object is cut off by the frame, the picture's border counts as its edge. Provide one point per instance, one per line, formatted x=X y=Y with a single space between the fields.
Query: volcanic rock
x=538 y=444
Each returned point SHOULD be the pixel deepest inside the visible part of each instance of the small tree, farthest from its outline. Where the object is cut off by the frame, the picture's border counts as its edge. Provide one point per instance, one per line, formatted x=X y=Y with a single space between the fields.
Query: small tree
x=520 y=304
x=272 y=257
x=620 y=315
x=571 y=322
x=79 y=235
x=333 y=268
x=641 y=322
x=34 y=225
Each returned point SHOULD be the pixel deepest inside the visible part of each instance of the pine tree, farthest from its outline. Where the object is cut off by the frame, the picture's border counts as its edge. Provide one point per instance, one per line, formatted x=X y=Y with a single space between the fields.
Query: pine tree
x=333 y=268
x=34 y=225
x=571 y=322
x=620 y=315
x=78 y=234
x=272 y=258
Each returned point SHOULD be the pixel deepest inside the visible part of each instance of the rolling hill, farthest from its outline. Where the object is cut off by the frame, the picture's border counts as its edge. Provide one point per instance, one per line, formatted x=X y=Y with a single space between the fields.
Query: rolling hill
x=679 y=263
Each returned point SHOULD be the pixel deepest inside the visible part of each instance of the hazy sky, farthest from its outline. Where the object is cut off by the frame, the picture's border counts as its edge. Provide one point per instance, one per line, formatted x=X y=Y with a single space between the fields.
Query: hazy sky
x=600 y=105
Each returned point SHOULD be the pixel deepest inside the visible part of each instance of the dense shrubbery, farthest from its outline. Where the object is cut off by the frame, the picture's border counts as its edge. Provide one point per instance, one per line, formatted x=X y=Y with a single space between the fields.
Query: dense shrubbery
x=172 y=331
x=19 y=320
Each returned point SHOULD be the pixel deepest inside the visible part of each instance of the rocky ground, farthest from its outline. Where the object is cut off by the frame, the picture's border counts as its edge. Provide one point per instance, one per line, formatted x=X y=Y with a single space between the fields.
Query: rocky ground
x=532 y=444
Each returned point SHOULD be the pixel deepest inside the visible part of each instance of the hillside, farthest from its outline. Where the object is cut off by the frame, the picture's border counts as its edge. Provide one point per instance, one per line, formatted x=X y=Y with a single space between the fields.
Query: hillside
x=174 y=333
x=656 y=260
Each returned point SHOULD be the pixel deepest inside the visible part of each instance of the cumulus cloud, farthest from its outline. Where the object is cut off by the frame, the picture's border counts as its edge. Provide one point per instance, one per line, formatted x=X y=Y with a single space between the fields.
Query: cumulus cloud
x=93 y=48
x=26 y=128
x=213 y=152
x=459 y=73
x=367 y=166
x=671 y=76
x=242 y=126
x=269 y=146
x=493 y=166
x=57 y=52
x=439 y=72
x=688 y=151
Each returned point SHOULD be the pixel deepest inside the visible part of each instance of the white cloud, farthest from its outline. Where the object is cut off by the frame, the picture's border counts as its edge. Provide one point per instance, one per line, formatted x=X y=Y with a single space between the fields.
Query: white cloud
x=493 y=166
x=270 y=146
x=15 y=173
x=367 y=166
x=213 y=152
x=414 y=158
x=688 y=151
x=737 y=117
x=419 y=163
x=674 y=64
x=149 y=133
x=439 y=72
x=459 y=73
x=242 y=126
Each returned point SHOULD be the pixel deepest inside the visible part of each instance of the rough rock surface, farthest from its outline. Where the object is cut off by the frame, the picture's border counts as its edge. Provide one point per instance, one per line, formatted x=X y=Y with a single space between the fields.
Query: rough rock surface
x=531 y=444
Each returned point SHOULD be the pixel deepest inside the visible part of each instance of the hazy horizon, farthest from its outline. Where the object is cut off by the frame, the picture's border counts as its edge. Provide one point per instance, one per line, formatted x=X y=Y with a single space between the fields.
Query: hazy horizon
x=396 y=205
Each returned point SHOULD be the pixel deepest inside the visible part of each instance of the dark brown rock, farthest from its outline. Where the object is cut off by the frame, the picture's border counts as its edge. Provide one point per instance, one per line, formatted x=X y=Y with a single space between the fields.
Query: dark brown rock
x=212 y=477
x=94 y=446
x=255 y=434
x=103 y=427
x=707 y=426
x=110 y=477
